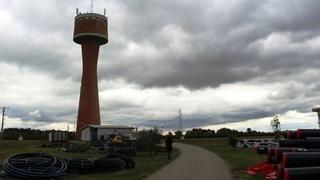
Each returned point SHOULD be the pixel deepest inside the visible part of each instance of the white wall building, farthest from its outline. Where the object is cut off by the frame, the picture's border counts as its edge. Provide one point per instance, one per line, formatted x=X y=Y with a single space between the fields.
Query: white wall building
x=102 y=132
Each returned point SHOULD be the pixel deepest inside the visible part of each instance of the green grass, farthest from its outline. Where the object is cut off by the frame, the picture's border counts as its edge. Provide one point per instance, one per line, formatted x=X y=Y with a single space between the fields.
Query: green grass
x=146 y=163
x=238 y=160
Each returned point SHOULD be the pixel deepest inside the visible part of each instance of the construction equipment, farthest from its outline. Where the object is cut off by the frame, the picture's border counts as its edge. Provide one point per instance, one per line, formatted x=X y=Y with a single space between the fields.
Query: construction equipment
x=118 y=139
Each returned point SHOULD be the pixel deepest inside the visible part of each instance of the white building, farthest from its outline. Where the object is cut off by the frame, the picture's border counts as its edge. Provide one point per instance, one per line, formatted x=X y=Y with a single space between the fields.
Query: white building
x=102 y=132
x=58 y=136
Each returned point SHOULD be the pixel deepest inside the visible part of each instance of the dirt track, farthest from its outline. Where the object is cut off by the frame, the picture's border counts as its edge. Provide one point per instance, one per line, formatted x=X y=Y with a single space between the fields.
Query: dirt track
x=194 y=163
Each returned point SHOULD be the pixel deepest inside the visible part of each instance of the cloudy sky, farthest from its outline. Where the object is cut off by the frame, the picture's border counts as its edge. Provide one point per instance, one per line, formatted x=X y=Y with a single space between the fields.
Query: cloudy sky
x=225 y=63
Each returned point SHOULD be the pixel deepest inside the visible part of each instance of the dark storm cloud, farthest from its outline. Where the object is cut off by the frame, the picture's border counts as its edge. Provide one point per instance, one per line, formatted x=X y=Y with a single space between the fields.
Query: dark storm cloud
x=219 y=43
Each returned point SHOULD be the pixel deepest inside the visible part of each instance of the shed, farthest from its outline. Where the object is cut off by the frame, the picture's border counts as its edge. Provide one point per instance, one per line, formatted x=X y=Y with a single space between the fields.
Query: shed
x=103 y=132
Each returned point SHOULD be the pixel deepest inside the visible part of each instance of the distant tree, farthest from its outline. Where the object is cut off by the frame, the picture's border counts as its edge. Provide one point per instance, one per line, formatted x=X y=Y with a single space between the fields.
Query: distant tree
x=225 y=132
x=249 y=131
x=178 y=134
x=30 y=134
x=169 y=134
x=200 y=133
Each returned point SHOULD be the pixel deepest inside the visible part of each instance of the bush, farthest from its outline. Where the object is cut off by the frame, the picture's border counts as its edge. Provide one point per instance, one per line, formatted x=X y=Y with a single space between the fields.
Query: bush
x=233 y=141
x=148 y=139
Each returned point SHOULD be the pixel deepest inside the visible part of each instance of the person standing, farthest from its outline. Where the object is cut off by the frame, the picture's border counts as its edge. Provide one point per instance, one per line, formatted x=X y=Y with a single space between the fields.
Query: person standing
x=168 y=144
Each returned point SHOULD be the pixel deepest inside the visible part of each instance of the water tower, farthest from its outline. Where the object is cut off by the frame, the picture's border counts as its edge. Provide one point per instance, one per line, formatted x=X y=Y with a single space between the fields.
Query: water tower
x=90 y=31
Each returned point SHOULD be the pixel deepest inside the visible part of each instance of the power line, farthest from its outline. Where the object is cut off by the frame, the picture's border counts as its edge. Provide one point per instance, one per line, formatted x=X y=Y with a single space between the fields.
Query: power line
x=2 y=123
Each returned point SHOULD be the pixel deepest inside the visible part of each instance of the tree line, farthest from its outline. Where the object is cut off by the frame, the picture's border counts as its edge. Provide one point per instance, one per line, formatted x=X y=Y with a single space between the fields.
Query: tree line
x=36 y=134
x=223 y=132
x=29 y=134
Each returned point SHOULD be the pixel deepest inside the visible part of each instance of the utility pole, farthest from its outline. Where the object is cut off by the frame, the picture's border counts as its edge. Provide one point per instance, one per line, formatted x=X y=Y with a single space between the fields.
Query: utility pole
x=180 y=120
x=2 y=123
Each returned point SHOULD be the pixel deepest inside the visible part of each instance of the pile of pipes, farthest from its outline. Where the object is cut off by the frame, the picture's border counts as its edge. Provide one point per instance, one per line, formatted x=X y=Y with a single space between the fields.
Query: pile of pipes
x=260 y=145
x=34 y=166
x=46 y=166
x=128 y=150
x=297 y=157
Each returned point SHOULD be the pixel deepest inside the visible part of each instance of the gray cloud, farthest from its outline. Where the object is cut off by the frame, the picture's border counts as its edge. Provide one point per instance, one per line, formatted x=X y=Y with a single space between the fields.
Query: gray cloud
x=47 y=115
x=219 y=43
x=169 y=44
x=220 y=47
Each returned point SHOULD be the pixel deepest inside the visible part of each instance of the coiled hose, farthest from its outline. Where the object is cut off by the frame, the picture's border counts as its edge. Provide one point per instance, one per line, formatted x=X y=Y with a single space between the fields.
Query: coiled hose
x=79 y=165
x=129 y=163
x=114 y=162
x=34 y=166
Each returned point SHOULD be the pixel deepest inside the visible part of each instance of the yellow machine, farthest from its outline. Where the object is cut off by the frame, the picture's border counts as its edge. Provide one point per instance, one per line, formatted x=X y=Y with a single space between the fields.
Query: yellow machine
x=118 y=139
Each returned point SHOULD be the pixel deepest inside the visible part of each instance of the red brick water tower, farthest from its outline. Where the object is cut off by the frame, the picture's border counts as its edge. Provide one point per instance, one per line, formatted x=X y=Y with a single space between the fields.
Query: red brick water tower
x=90 y=31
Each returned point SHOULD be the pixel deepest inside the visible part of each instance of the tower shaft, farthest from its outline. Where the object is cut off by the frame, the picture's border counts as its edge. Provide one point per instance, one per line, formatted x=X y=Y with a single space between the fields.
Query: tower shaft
x=89 y=111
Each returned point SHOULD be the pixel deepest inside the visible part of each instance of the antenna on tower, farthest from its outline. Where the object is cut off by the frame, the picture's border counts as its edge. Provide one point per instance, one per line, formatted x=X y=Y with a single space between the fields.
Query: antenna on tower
x=104 y=11
x=77 y=11
x=91 y=5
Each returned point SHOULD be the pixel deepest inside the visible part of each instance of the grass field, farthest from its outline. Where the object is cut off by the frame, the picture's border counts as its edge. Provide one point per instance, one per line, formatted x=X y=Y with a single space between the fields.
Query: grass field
x=238 y=160
x=146 y=163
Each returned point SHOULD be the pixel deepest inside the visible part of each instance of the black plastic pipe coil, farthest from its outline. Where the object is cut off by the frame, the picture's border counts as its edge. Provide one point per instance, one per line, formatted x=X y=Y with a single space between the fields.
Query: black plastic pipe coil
x=129 y=163
x=114 y=162
x=46 y=166
x=34 y=166
x=79 y=165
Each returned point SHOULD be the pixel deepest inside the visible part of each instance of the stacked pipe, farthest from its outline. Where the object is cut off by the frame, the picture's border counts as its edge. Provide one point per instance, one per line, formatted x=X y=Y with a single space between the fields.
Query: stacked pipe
x=304 y=133
x=291 y=135
x=309 y=173
x=309 y=140
x=298 y=156
x=305 y=164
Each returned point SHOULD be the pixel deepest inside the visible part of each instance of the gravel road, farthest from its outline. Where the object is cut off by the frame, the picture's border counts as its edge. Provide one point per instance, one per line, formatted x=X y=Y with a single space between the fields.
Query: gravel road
x=194 y=163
